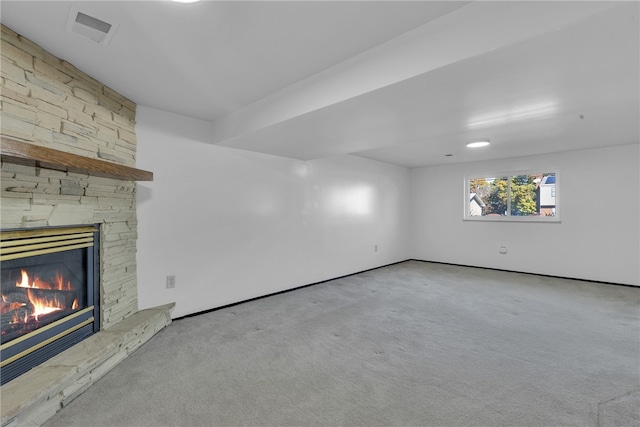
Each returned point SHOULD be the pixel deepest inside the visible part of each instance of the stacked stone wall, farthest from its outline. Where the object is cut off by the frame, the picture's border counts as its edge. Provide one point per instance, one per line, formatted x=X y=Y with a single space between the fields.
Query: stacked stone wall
x=47 y=101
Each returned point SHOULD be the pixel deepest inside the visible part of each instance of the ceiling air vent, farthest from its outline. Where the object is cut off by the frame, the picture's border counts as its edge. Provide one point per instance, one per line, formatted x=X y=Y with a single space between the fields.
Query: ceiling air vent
x=85 y=25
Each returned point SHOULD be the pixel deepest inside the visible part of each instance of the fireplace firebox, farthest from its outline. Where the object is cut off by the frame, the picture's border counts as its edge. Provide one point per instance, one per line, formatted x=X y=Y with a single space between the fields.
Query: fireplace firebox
x=50 y=294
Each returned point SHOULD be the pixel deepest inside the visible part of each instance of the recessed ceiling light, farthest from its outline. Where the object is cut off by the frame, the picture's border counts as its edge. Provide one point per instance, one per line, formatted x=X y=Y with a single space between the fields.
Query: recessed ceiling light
x=478 y=144
x=185 y=1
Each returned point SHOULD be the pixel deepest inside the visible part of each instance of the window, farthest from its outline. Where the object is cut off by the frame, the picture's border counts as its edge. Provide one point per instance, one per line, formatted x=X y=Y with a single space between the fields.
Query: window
x=515 y=196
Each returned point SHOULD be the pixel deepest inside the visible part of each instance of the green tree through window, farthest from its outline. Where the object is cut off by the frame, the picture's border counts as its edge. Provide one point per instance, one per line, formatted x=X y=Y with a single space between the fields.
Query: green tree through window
x=523 y=195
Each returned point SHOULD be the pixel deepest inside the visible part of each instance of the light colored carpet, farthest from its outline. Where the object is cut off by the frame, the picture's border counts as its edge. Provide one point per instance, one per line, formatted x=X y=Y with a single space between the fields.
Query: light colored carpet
x=412 y=344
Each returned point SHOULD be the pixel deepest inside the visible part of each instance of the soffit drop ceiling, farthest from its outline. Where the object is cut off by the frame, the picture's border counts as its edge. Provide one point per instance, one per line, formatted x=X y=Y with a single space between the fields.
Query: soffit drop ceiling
x=399 y=82
x=211 y=58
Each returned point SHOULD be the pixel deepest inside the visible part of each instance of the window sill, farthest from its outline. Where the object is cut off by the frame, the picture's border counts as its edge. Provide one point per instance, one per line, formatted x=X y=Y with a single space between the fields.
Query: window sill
x=538 y=219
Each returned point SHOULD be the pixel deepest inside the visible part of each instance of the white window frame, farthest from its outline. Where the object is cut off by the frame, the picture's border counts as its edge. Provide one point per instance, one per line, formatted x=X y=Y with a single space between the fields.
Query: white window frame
x=508 y=218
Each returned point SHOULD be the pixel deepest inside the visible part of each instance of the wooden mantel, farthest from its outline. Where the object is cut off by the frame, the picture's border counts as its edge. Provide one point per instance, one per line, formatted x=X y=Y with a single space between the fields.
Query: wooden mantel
x=24 y=153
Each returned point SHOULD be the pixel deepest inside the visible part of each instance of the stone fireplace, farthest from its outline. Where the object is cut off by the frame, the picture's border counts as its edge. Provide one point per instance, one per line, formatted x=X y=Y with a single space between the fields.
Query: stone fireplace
x=68 y=160
x=47 y=102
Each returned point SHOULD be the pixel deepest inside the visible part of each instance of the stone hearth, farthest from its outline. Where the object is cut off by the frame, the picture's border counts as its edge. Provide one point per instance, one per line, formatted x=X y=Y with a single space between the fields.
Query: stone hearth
x=34 y=397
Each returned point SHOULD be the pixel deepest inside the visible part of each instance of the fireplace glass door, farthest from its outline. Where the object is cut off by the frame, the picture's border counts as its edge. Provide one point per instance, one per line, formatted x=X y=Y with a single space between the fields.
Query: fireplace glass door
x=49 y=293
x=38 y=290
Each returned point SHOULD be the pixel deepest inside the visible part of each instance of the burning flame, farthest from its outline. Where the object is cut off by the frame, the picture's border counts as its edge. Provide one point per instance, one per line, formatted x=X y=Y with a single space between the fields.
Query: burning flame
x=61 y=284
x=37 y=283
x=25 y=280
x=42 y=306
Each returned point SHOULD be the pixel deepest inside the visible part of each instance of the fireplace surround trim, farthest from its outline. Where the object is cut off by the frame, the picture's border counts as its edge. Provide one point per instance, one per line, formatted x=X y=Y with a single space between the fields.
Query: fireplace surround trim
x=26 y=351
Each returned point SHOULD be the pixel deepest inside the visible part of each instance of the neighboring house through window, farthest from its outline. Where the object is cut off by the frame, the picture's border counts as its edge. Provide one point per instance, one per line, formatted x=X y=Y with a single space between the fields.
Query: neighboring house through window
x=546 y=201
x=475 y=205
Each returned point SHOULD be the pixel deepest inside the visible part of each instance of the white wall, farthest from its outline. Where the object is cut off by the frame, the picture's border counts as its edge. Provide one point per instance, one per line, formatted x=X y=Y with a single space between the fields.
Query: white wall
x=233 y=225
x=597 y=238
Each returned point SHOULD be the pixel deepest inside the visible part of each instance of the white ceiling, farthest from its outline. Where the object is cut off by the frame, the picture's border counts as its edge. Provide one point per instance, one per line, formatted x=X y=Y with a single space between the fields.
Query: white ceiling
x=400 y=82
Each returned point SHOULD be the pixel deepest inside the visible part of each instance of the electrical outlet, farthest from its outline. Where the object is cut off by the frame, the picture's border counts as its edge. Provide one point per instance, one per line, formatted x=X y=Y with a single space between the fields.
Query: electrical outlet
x=171 y=282
x=375 y=248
